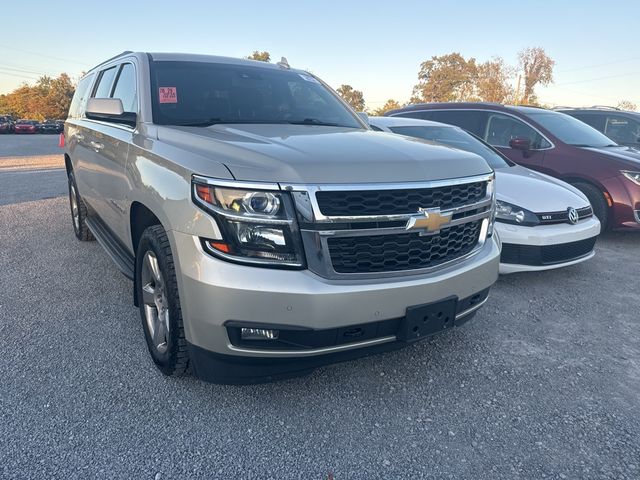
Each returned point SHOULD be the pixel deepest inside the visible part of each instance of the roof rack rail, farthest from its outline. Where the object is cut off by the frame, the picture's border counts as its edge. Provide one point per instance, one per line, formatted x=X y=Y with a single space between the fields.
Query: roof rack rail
x=604 y=107
x=126 y=52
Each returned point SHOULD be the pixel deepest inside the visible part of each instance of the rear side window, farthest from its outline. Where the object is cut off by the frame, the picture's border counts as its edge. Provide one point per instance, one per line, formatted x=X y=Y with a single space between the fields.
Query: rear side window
x=79 y=98
x=622 y=129
x=125 y=88
x=473 y=121
x=593 y=119
x=103 y=88
x=502 y=128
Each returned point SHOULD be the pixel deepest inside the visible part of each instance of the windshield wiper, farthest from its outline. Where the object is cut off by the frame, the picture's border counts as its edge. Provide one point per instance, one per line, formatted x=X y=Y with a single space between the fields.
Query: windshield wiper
x=314 y=121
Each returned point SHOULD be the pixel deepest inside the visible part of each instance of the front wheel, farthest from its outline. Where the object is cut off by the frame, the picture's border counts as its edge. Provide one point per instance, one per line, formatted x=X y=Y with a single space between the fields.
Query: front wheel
x=78 y=212
x=157 y=291
x=597 y=200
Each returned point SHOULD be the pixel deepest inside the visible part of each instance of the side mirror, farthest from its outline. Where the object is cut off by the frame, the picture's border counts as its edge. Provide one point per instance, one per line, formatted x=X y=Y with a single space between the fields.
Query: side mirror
x=109 y=110
x=520 y=143
x=364 y=117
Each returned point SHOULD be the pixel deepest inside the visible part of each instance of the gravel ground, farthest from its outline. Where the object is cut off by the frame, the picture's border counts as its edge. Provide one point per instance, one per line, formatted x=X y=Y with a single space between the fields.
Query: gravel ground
x=543 y=383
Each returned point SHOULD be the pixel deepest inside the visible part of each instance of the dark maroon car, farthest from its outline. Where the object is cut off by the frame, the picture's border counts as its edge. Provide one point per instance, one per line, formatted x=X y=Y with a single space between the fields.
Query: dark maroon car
x=556 y=144
x=26 y=126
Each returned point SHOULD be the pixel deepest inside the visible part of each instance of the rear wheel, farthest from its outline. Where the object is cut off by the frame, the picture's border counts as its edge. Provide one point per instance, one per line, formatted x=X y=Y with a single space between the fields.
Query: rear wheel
x=597 y=200
x=157 y=291
x=78 y=212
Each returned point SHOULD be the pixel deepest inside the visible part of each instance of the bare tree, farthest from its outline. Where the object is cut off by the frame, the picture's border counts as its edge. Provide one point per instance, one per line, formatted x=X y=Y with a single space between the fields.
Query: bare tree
x=537 y=68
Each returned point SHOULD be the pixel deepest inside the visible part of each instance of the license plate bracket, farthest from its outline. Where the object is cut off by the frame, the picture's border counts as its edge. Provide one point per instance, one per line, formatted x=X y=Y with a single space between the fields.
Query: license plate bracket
x=422 y=321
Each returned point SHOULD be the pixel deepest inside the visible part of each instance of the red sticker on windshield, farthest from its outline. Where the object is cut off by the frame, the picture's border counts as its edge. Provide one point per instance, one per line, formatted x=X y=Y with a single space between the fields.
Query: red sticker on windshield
x=168 y=95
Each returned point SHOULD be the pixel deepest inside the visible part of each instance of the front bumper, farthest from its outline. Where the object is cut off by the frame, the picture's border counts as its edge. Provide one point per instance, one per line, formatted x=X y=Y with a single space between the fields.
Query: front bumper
x=214 y=293
x=524 y=247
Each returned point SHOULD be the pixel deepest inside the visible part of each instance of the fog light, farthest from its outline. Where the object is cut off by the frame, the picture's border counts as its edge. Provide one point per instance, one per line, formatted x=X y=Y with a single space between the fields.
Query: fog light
x=258 y=334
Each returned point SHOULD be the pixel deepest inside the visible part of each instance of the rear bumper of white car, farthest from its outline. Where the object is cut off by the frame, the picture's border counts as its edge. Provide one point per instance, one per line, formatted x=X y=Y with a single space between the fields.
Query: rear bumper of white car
x=545 y=247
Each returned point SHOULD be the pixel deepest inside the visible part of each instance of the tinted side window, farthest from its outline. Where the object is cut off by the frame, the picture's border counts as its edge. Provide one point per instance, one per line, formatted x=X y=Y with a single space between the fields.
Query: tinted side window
x=103 y=89
x=502 y=128
x=79 y=97
x=125 y=88
x=470 y=120
x=593 y=119
x=622 y=129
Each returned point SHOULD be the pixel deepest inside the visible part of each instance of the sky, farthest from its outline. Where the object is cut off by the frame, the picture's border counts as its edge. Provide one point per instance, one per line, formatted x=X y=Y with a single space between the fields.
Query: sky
x=375 y=46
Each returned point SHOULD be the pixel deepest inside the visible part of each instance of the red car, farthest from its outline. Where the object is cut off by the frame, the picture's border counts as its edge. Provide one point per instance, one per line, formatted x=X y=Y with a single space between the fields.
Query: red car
x=556 y=144
x=26 y=126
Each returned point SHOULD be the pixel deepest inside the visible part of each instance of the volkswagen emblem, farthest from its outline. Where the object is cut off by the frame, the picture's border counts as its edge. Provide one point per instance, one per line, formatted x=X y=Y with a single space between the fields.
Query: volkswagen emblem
x=573 y=216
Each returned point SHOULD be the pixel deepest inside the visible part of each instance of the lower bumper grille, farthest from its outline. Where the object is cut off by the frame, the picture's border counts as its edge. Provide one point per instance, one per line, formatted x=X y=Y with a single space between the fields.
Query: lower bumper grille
x=545 y=255
x=389 y=253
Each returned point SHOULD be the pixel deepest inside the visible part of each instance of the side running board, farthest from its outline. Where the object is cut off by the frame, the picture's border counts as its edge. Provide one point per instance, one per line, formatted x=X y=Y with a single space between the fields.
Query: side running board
x=122 y=258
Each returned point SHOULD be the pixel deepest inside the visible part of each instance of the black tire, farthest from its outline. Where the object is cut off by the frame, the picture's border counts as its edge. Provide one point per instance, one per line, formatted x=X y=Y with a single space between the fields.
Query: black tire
x=79 y=223
x=174 y=360
x=597 y=200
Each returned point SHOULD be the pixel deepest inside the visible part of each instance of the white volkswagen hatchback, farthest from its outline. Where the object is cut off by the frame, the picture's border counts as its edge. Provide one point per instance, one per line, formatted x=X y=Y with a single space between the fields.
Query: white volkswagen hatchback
x=543 y=222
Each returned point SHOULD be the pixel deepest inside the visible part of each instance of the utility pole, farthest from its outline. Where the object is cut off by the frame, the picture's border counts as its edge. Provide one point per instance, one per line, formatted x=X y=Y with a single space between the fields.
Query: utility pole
x=518 y=90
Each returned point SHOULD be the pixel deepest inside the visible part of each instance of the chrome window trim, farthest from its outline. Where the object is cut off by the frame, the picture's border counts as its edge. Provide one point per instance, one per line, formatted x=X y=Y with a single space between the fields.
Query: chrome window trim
x=425 y=110
x=636 y=213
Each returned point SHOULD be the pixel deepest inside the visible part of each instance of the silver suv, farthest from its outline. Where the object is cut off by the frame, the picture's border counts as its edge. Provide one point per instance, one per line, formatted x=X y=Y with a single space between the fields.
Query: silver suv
x=266 y=228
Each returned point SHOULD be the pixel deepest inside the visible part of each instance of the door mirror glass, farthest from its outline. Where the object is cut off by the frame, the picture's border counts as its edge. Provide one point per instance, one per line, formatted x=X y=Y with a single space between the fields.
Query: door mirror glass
x=520 y=143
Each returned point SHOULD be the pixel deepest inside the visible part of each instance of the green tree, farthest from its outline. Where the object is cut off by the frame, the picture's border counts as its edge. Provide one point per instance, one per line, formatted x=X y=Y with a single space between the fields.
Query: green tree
x=391 y=104
x=446 y=78
x=260 y=56
x=353 y=97
x=537 y=69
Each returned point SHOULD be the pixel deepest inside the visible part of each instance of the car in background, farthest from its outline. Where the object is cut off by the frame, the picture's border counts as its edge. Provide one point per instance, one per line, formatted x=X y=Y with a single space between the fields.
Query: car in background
x=556 y=144
x=50 y=126
x=6 y=124
x=26 y=126
x=543 y=223
x=621 y=126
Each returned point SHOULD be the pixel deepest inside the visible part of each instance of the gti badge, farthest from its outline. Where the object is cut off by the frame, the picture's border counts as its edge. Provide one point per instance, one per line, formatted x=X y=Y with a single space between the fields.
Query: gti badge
x=573 y=216
x=428 y=221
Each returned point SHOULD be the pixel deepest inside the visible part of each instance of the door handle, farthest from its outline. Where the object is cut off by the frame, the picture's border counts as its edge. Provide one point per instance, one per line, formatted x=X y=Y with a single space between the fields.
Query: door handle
x=97 y=146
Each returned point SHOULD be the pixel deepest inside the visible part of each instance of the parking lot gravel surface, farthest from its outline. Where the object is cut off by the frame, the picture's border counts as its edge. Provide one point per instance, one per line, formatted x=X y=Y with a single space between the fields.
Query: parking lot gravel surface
x=543 y=383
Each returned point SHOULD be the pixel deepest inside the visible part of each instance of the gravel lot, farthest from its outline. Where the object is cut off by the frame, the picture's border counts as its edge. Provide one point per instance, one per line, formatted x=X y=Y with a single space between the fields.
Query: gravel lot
x=543 y=383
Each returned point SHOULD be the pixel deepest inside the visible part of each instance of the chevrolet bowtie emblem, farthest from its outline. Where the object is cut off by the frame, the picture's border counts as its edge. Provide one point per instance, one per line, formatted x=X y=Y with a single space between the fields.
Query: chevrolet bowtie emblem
x=429 y=220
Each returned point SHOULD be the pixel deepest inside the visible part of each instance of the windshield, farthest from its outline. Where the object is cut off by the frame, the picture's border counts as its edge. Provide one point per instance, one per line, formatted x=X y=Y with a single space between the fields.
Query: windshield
x=202 y=94
x=453 y=137
x=571 y=130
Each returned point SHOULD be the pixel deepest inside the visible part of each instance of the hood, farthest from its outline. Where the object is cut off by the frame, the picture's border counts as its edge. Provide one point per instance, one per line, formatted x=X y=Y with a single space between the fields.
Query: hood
x=317 y=154
x=535 y=191
x=627 y=156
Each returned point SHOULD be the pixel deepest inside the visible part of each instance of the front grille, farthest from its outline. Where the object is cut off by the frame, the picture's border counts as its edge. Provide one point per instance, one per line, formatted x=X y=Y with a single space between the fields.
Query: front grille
x=546 y=255
x=397 y=252
x=563 y=217
x=392 y=202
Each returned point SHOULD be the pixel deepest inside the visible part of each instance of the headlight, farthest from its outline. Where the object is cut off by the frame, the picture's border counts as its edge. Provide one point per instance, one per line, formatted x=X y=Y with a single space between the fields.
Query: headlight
x=257 y=226
x=508 y=213
x=633 y=176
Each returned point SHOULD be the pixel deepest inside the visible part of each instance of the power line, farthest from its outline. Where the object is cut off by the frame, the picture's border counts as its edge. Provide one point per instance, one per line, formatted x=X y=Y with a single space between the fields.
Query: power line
x=600 y=78
x=599 y=65
x=45 y=56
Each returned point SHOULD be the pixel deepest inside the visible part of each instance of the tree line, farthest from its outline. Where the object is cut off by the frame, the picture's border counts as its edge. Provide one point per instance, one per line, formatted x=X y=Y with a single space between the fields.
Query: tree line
x=48 y=98
x=443 y=78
